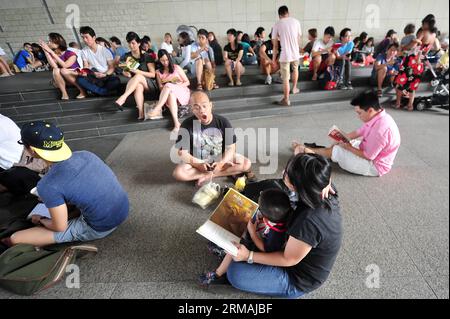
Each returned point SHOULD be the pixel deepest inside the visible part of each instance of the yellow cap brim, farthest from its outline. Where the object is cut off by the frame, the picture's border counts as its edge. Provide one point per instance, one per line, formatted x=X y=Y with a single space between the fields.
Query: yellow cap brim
x=54 y=156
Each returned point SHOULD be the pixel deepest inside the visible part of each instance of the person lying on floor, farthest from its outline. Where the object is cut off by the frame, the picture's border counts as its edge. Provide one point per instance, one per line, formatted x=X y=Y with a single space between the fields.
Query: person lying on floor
x=207 y=145
x=80 y=179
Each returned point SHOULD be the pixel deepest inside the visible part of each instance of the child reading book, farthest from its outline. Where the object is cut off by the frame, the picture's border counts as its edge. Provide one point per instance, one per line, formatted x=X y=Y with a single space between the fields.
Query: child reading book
x=266 y=232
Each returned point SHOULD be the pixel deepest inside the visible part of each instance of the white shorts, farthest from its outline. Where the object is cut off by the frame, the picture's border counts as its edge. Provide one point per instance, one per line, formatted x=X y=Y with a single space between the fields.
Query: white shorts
x=353 y=163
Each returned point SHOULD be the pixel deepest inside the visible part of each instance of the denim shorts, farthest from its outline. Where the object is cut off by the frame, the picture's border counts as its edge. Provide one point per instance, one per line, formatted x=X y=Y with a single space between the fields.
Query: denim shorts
x=79 y=230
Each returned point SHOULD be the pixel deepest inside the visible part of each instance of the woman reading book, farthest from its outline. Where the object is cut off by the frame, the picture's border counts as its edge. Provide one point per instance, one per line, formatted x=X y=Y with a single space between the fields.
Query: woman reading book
x=140 y=67
x=314 y=235
x=174 y=86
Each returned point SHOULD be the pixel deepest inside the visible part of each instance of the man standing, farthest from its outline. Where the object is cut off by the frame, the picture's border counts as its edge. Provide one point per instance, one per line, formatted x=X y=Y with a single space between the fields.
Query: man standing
x=80 y=179
x=288 y=32
x=375 y=152
x=207 y=145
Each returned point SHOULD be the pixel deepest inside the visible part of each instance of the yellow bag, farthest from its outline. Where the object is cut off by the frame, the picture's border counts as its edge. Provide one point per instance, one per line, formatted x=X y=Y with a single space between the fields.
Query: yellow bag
x=208 y=80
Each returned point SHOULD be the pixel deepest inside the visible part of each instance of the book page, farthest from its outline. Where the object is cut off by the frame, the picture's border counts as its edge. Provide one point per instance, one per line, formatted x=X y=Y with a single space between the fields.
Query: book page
x=336 y=134
x=219 y=236
x=40 y=210
x=229 y=220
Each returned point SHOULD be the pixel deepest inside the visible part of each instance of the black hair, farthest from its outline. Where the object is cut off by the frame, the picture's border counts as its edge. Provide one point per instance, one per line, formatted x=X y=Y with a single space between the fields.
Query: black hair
x=363 y=35
x=283 y=10
x=371 y=39
x=162 y=53
x=390 y=33
x=410 y=28
x=72 y=44
x=186 y=40
x=202 y=32
x=106 y=42
x=246 y=38
x=366 y=100
x=330 y=31
x=59 y=40
x=146 y=39
x=133 y=36
x=274 y=204
x=431 y=21
x=36 y=46
x=310 y=174
x=115 y=40
x=239 y=32
x=87 y=30
x=356 y=40
x=26 y=43
x=395 y=44
x=313 y=32
x=343 y=32
x=259 y=31
x=232 y=31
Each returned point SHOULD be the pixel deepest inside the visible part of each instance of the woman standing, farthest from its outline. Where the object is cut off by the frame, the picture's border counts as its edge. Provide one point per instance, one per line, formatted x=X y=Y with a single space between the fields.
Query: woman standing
x=59 y=58
x=315 y=235
x=174 y=86
x=142 y=78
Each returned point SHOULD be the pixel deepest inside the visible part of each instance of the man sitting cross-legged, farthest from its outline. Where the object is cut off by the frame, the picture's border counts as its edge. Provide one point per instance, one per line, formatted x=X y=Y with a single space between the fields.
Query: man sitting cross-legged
x=380 y=140
x=207 y=145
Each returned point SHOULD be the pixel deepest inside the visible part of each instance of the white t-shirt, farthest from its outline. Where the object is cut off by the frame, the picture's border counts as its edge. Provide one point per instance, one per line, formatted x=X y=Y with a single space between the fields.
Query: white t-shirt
x=288 y=30
x=79 y=57
x=10 y=150
x=98 y=60
x=319 y=45
x=167 y=47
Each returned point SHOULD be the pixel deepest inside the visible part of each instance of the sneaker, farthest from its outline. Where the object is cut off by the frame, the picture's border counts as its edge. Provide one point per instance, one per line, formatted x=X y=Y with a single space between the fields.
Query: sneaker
x=341 y=86
x=216 y=250
x=268 y=80
x=211 y=278
x=349 y=86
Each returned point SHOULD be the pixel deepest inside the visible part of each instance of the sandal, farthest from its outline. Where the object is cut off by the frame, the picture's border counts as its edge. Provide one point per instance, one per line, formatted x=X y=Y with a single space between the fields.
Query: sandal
x=199 y=87
x=380 y=93
x=231 y=83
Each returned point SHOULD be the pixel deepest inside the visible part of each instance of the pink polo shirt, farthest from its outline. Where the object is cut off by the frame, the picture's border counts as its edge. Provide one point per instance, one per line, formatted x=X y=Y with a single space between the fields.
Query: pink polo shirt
x=288 y=30
x=381 y=141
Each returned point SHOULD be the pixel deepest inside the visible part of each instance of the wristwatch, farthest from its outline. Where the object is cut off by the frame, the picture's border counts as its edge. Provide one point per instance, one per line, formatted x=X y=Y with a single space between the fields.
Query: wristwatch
x=250 y=258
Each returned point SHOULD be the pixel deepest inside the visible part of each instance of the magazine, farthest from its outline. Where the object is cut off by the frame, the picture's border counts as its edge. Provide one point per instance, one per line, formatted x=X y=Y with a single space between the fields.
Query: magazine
x=229 y=221
x=336 y=134
x=129 y=64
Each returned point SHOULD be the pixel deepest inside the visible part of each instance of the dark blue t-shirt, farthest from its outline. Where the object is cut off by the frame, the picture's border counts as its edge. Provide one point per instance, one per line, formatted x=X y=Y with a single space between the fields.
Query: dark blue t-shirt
x=85 y=181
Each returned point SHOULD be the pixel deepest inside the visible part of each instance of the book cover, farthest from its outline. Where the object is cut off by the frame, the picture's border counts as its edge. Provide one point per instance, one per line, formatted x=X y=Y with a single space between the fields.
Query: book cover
x=337 y=135
x=129 y=64
x=229 y=221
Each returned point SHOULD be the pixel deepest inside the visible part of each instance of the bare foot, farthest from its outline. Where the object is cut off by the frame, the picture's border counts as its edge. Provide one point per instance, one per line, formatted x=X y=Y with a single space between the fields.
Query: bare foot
x=295 y=91
x=204 y=179
x=314 y=78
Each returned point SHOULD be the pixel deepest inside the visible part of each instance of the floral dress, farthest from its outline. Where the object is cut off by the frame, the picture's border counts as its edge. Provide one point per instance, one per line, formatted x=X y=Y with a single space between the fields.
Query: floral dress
x=411 y=70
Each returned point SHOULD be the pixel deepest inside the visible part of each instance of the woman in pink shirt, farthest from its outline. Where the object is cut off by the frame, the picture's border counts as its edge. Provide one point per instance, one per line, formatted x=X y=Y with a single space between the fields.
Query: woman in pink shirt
x=372 y=148
x=174 y=86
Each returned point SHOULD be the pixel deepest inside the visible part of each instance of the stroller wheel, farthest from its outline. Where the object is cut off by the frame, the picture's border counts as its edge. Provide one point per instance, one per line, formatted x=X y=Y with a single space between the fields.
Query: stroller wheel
x=422 y=105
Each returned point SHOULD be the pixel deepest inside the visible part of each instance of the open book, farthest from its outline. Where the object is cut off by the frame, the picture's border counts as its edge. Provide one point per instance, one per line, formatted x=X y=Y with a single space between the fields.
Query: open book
x=129 y=64
x=229 y=221
x=40 y=210
x=336 y=134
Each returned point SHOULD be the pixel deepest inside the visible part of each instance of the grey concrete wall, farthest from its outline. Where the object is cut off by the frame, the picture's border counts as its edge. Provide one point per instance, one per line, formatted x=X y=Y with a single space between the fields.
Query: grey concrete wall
x=27 y=20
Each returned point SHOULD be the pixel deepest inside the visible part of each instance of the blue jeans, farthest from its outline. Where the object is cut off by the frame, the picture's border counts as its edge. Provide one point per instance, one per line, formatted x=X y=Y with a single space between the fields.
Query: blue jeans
x=110 y=84
x=262 y=280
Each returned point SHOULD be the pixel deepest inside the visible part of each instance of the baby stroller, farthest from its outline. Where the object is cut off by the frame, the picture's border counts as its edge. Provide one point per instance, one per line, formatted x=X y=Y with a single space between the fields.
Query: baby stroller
x=440 y=95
